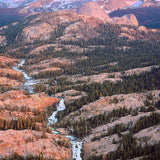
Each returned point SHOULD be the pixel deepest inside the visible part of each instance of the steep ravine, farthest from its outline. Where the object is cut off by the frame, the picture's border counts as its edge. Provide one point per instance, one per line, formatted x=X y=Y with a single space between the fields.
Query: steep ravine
x=76 y=143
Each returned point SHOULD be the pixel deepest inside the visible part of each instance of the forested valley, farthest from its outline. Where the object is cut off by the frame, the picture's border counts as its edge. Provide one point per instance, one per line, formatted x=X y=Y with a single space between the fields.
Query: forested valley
x=110 y=85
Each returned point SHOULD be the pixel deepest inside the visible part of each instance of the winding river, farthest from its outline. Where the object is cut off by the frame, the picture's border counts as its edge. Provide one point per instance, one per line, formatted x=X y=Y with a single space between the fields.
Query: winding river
x=76 y=143
x=29 y=81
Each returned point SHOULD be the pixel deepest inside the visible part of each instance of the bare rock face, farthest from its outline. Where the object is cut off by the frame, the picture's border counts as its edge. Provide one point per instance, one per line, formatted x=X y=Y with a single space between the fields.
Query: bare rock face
x=43 y=27
x=3 y=40
x=11 y=73
x=142 y=29
x=122 y=35
x=78 y=30
x=19 y=99
x=7 y=115
x=56 y=47
x=112 y=5
x=104 y=144
x=6 y=61
x=29 y=142
x=128 y=19
x=93 y=9
x=37 y=32
x=8 y=76
x=4 y=81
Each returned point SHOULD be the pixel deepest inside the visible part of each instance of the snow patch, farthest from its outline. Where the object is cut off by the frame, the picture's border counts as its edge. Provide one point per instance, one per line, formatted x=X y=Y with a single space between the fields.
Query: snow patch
x=16 y=3
x=137 y=4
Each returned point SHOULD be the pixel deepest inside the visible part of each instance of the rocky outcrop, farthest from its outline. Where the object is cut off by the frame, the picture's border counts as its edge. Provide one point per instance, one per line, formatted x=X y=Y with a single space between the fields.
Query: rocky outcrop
x=37 y=32
x=19 y=99
x=93 y=9
x=107 y=104
x=126 y=35
x=10 y=73
x=8 y=76
x=3 y=40
x=37 y=50
x=70 y=95
x=142 y=29
x=78 y=30
x=28 y=143
x=100 y=141
x=43 y=27
x=112 y=5
x=56 y=47
x=138 y=33
x=128 y=19
x=4 y=81
x=46 y=70
x=152 y=133
x=112 y=77
x=7 y=62
x=104 y=144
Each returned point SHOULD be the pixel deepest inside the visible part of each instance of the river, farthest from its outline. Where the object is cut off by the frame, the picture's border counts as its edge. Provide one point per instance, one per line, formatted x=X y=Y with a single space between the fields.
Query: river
x=29 y=81
x=76 y=143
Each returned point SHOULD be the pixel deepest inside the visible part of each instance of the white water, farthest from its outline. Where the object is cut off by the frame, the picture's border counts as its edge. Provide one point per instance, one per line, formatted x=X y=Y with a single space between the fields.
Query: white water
x=29 y=82
x=60 y=107
x=75 y=143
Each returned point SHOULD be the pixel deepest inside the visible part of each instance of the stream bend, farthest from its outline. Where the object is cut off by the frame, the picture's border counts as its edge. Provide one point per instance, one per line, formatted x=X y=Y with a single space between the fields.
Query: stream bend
x=76 y=143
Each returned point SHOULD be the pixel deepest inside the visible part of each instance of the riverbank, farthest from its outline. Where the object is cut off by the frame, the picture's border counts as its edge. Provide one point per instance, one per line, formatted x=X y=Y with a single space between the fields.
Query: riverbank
x=76 y=143
x=29 y=81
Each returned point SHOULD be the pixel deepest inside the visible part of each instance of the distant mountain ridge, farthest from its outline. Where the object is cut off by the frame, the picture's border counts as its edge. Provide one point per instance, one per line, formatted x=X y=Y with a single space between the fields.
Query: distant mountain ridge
x=29 y=6
x=99 y=9
x=15 y=3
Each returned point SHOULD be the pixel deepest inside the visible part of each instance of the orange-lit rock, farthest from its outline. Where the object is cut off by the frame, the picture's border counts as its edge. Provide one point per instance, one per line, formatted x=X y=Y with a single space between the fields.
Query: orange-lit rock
x=93 y=9
x=8 y=76
x=28 y=142
x=14 y=115
x=12 y=74
x=3 y=40
x=42 y=27
x=128 y=19
x=142 y=29
x=18 y=98
x=7 y=62
x=4 y=81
